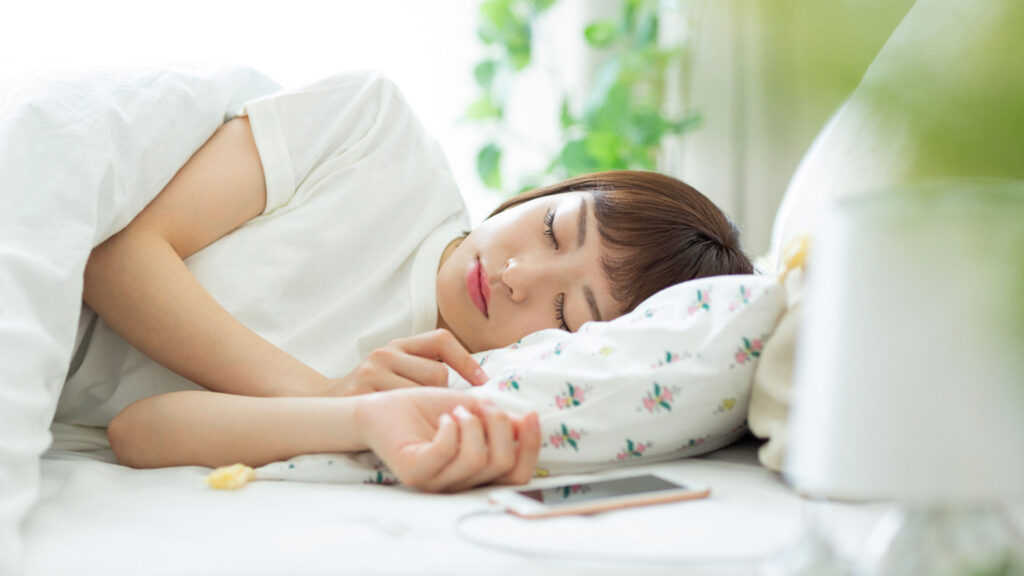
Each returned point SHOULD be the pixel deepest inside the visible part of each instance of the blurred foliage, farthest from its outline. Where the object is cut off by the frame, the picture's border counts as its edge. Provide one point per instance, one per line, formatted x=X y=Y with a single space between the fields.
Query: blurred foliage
x=621 y=124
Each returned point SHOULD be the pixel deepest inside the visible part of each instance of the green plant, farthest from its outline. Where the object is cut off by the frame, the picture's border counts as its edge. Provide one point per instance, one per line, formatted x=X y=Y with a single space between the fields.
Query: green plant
x=622 y=120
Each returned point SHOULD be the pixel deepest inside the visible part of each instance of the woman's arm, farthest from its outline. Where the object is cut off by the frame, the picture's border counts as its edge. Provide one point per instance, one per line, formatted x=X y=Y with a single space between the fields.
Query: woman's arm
x=431 y=439
x=138 y=283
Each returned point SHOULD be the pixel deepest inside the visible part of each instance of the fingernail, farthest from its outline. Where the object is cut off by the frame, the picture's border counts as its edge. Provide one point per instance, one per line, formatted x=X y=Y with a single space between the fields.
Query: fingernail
x=535 y=422
x=461 y=412
x=480 y=376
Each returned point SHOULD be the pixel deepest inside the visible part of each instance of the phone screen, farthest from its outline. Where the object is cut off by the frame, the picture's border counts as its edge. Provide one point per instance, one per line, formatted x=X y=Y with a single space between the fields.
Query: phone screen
x=573 y=493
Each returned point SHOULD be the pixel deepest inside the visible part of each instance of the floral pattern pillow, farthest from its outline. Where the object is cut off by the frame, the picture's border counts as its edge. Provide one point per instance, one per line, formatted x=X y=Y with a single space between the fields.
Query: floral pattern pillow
x=671 y=379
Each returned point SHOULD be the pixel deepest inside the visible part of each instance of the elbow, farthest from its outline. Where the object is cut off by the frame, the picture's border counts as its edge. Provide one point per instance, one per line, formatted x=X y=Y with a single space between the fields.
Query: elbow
x=123 y=438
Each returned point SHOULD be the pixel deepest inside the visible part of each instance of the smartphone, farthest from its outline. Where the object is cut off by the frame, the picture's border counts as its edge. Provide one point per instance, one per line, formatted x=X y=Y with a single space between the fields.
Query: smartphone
x=596 y=496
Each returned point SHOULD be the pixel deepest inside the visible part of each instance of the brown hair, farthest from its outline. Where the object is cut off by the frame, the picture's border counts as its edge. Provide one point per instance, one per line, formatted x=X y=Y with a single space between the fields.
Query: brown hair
x=657 y=231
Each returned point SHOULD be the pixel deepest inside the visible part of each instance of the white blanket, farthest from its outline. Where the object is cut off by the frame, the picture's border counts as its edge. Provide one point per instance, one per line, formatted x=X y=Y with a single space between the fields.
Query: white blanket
x=81 y=153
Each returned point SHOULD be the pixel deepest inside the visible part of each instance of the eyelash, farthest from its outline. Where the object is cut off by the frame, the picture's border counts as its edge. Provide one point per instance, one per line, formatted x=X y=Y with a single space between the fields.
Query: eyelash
x=549 y=231
x=549 y=227
x=559 y=304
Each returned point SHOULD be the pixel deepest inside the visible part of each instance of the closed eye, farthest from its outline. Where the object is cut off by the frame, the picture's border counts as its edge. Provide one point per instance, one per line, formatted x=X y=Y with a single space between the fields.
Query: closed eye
x=549 y=227
x=559 y=311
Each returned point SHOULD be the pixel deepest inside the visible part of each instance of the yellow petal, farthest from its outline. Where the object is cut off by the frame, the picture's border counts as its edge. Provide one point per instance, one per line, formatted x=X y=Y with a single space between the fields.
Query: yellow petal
x=230 y=477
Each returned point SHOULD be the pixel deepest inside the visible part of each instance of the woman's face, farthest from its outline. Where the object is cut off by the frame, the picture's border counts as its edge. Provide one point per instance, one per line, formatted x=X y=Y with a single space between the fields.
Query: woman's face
x=534 y=266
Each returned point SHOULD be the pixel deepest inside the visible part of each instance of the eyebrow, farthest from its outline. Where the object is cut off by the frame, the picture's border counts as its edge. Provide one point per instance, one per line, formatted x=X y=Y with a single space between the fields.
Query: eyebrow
x=581 y=223
x=592 y=302
x=581 y=237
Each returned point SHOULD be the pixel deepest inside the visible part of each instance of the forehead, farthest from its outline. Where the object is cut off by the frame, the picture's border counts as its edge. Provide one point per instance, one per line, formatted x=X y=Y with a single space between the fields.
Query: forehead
x=582 y=223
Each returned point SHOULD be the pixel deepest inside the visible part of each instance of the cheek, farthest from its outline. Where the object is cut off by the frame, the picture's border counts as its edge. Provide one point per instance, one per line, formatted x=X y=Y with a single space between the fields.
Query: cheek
x=533 y=320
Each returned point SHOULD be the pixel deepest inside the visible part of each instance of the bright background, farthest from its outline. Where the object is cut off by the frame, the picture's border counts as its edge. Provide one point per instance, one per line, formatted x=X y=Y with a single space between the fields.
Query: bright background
x=762 y=75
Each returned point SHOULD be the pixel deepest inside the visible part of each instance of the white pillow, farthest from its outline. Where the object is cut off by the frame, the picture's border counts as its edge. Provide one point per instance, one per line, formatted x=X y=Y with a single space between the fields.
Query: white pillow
x=669 y=380
x=81 y=153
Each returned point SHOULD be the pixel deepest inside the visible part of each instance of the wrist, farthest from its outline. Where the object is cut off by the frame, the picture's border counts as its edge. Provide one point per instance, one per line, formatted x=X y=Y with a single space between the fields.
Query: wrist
x=357 y=415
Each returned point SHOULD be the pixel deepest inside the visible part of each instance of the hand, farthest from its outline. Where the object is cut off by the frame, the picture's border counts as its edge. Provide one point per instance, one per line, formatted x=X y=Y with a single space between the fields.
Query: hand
x=415 y=361
x=443 y=440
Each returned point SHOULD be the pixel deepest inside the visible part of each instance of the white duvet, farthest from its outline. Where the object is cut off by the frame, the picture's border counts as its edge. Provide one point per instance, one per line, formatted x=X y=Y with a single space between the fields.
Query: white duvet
x=81 y=153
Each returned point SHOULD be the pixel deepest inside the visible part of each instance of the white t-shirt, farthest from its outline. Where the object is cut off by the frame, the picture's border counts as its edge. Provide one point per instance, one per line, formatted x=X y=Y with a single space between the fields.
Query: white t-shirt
x=360 y=205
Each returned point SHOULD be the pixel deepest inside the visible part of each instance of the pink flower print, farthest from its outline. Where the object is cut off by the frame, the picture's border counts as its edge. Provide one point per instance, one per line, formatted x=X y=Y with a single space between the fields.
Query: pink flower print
x=658 y=398
x=510 y=383
x=694 y=442
x=668 y=358
x=573 y=397
x=577 y=395
x=568 y=437
x=703 y=302
x=381 y=479
x=749 y=350
x=634 y=449
x=742 y=299
x=556 y=351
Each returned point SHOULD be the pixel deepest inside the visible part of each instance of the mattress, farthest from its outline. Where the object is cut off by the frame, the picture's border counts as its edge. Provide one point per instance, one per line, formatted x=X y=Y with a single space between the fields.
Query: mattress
x=96 y=517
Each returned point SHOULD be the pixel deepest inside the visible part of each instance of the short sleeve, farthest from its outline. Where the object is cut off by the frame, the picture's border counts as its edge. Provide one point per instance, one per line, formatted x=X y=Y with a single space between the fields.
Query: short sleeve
x=298 y=129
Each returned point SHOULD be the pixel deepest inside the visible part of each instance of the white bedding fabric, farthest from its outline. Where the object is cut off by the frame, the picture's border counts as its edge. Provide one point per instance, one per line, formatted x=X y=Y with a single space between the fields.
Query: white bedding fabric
x=81 y=153
x=96 y=518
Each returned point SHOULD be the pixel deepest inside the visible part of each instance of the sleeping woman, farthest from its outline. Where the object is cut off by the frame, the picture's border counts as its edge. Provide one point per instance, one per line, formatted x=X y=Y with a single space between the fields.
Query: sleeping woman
x=305 y=280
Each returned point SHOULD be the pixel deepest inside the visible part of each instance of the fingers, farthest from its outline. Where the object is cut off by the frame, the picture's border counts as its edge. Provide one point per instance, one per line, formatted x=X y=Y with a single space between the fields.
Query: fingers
x=488 y=451
x=410 y=370
x=500 y=449
x=426 y=461
x=527 y=451
x=472 y=453
x=442 y=345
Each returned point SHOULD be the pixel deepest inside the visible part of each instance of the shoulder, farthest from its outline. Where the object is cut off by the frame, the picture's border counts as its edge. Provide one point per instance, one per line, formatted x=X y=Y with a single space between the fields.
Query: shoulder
x=357 y=85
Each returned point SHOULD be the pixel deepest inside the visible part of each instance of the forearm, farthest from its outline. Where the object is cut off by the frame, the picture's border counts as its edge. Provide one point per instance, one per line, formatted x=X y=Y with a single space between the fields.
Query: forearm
x=140 y=286
x=210 y=429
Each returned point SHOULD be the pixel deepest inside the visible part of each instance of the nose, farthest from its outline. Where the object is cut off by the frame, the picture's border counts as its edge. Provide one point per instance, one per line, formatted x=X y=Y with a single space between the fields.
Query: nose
x=518 y=278
x=525 y=277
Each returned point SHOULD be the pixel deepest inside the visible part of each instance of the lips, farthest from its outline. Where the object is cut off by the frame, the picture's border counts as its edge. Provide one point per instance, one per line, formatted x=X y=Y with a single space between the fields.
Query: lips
x=476 y=285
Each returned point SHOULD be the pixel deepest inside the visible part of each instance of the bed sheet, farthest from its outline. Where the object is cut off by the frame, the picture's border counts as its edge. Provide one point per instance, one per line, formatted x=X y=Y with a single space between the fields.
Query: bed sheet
x=95 y=517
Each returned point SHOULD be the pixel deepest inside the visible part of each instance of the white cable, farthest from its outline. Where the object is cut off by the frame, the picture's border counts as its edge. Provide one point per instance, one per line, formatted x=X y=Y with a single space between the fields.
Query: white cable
x=591 y=556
